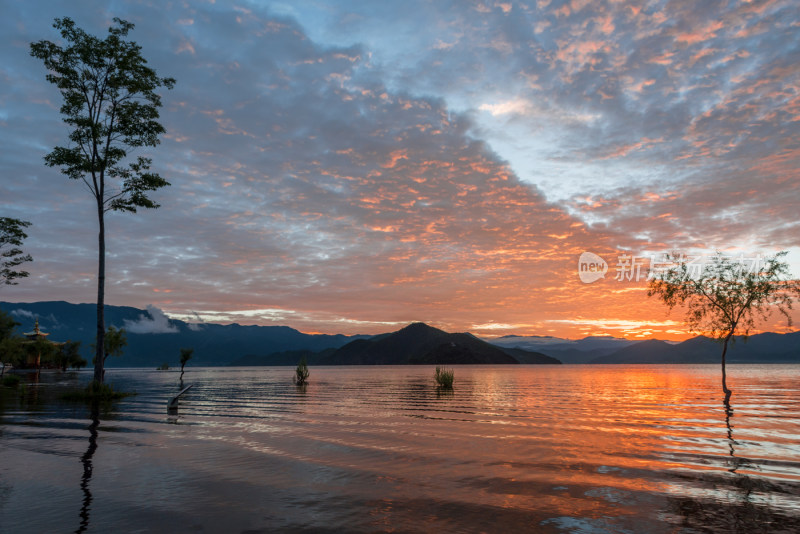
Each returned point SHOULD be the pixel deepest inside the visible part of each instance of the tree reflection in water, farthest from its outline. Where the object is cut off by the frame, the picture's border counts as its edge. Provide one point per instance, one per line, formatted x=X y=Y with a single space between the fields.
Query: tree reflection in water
x=86 y=460
x=736 y=510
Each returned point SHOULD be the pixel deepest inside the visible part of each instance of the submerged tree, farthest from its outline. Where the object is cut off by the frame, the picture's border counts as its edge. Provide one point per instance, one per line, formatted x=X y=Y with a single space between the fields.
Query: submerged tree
x=69 y=356
x=111 y=104
x=39 y=353
x=186 y=355
x=11 y=348
x=725 y=296
x=114 y=342
x=11 y=256
x=301 y=372
x=7 y=325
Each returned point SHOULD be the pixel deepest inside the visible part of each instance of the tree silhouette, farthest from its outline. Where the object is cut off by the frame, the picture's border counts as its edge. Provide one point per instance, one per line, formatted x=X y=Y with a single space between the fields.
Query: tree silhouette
x=186 y=355
x=11 y=256
x=724 y=295
x=111 y=104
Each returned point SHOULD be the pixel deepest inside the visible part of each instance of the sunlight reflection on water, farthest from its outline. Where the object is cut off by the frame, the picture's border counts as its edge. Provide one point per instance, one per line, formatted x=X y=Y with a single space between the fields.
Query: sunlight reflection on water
x=363 y=449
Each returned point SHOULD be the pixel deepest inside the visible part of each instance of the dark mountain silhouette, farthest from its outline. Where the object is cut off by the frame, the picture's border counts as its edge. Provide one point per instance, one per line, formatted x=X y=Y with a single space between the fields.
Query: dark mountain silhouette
x=286 y=357
x=650 y=351
x=529 y=356
x=566 y=350
x=760 y=348
x=154 y=339
x=418 y=343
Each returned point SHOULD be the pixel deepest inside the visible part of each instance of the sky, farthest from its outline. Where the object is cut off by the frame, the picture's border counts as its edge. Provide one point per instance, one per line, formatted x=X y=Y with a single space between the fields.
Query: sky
x=350 y=167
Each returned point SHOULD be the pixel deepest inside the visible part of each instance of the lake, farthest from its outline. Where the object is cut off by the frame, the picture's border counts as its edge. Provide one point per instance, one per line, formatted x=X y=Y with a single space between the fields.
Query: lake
x=553 y=449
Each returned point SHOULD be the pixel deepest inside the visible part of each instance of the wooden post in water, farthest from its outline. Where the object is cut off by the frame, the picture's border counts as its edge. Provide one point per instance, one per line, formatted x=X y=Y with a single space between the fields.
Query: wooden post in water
x=172 y=404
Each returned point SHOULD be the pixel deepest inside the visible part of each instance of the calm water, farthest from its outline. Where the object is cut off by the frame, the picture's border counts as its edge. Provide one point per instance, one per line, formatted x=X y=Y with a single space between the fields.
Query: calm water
x=585 y=449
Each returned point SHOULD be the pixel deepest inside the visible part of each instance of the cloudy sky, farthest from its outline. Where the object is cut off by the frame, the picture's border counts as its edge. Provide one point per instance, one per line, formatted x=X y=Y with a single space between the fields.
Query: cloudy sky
x=353 y=166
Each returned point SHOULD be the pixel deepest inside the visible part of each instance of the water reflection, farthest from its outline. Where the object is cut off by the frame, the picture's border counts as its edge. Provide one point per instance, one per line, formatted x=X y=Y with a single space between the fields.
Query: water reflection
x=736 y=462
x=567 y=449
x=740 y=503
x=86 y=460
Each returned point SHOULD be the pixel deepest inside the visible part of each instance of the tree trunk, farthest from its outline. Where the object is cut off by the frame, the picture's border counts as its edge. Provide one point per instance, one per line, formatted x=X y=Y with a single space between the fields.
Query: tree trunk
x=99 y=358
x=724 y=381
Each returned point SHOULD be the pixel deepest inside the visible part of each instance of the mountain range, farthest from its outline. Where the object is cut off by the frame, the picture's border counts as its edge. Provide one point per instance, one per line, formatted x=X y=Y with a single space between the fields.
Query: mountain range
x=566 y=350
x=417 y=343
x=760 y=348
x=153 y=339
x=768 y=347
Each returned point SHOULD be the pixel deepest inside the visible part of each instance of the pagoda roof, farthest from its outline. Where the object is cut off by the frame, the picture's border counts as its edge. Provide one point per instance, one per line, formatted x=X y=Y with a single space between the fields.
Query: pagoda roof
x=36 y=332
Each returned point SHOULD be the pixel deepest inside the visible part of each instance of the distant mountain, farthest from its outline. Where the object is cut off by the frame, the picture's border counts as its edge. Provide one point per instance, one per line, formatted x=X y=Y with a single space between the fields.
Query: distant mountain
x=760 y=348
x=649 y=351
x=419 y=343
x=566 y=350
x=768 y=347
x=153 y=338
x=528 y=356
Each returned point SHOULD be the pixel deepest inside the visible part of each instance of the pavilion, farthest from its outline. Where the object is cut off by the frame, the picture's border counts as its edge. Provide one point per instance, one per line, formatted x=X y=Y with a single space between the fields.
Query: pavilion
x=36 y=360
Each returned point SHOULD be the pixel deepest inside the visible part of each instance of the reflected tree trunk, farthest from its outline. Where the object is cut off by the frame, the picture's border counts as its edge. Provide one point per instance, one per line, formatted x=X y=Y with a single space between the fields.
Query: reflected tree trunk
x=731 y=441
x=86 y=460
x=724 y=375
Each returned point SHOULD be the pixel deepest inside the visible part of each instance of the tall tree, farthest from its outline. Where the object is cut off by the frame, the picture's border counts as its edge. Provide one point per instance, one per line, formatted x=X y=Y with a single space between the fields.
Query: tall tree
x=111 y=104
x=11 y=256
x=725 y=295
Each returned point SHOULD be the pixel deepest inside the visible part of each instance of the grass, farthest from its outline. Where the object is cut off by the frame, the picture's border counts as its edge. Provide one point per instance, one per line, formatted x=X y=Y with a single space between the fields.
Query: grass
x=301 y=373
x=444 y=377
x=96 y=391
x=11 y=381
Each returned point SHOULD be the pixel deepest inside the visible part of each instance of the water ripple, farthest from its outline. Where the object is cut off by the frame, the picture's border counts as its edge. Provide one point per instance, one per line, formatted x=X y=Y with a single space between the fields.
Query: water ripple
x=364 y=449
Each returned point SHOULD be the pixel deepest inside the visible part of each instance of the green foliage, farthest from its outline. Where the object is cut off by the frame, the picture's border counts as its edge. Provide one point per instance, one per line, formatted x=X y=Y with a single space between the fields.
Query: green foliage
x=114 y=341
x=110 y=101
x=68 y=355
x=301 y=373
x=11 y=381
x=42 y=349
x=96 y=391
x=12 y=350
x=444 y=377
x=163 y=367
x=11 y=256
x=7 y=325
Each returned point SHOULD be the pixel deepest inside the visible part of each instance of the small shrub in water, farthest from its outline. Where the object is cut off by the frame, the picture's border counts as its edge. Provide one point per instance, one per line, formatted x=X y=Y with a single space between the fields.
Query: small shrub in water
x=163 y=367
x=96 y=391
x=443 y=377
x=301 y=373
x=11 y=380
